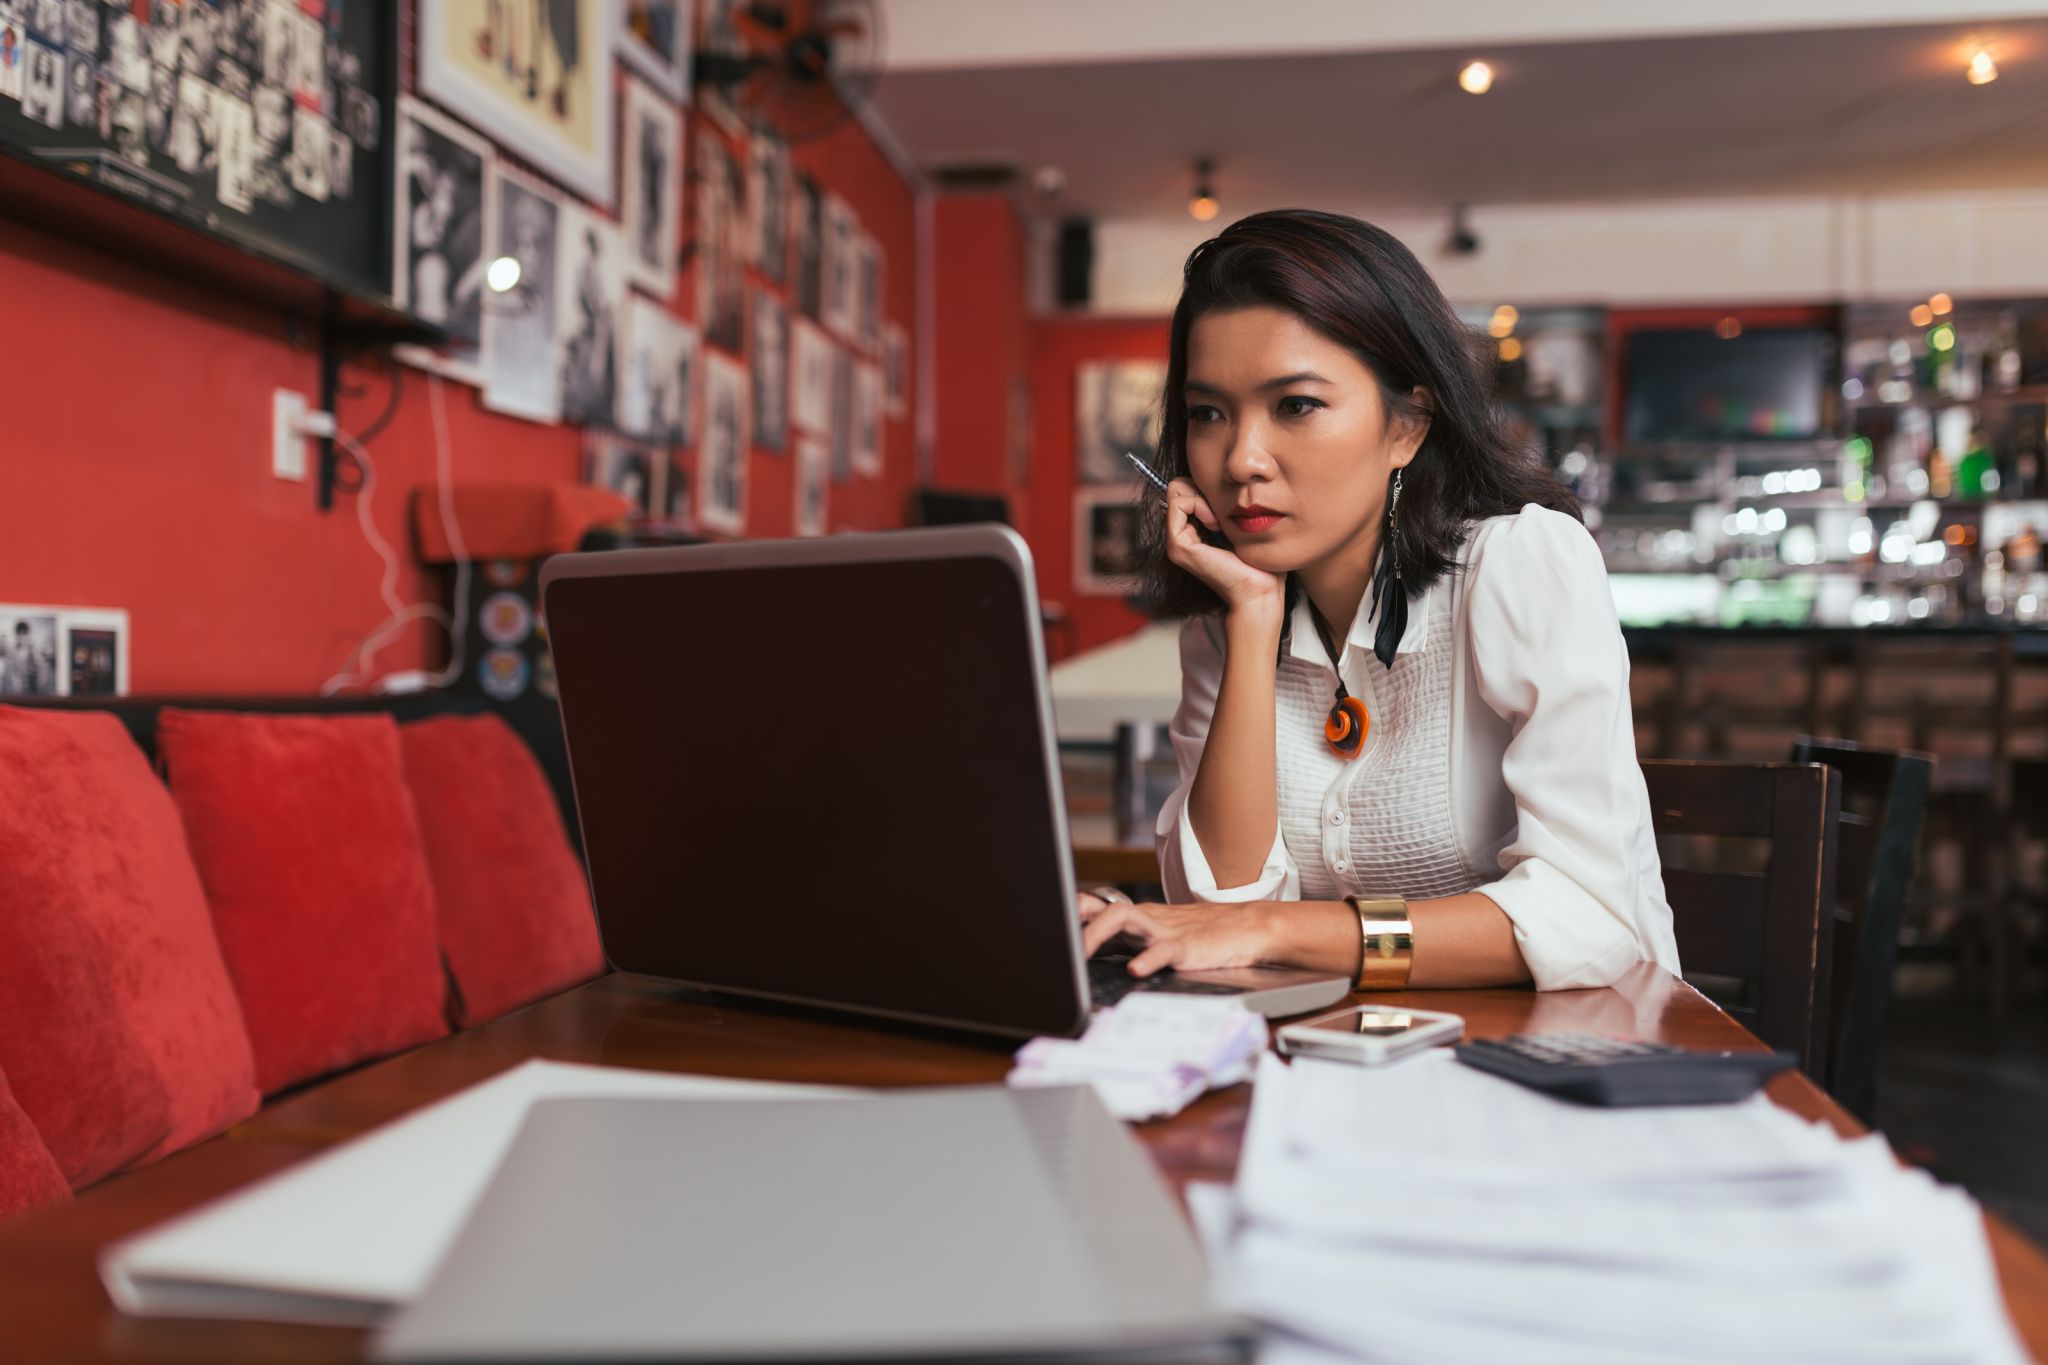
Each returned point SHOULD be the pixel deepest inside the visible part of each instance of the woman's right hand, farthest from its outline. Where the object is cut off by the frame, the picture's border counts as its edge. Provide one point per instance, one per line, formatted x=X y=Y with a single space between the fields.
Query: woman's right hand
x=1239 y=584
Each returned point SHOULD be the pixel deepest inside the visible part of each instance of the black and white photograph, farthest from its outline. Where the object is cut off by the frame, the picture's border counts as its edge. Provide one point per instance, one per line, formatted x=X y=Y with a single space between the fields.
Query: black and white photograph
x=273 y=107
x=1116 y=414
x=192 y=125
x=837 y=305
x=650 y=193
x=657 y=373
x=522 y=360
x=92 y=653
x=12 y=51
x=1106 y=555
x=677 y=510
x=625 y=467
x=768 y=356
x=441 y=237
x=128 y=123
x=163 y=104
x=312 y=161
x=166 y=25
x=813 y=484
x=82 y=93
x=720 y=221
x=45 y=19
x=867 y=293
x=768 y=195
x=896 y=370
x=82 y=25
x=28 y=652
x=42 y=87
x=234 y=149
x=341 y=164
x=654 y=38
x=839 y=428
x=593 y=291
x=722 y=452
x=810 y=401
x=807 y=225
x=127 y=55
x=867 y=420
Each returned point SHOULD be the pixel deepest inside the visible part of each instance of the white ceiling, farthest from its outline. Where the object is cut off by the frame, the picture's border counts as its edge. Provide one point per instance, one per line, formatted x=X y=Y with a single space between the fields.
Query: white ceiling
x=1822 y=111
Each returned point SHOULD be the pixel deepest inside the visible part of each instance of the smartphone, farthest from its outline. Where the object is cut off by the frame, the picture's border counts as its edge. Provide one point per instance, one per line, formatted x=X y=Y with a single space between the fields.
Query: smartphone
x=1370 y=1034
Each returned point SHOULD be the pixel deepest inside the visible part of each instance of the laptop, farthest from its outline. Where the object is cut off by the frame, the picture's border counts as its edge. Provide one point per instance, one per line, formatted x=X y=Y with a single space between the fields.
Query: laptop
x=824 y=772
x=948 y=1223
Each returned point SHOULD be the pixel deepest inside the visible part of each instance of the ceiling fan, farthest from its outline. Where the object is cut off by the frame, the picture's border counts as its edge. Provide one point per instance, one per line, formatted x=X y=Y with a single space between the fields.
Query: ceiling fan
x=801 y=67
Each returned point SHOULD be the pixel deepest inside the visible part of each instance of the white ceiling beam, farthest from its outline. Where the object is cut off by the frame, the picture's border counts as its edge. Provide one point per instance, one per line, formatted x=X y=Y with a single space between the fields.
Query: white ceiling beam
x=928 y=35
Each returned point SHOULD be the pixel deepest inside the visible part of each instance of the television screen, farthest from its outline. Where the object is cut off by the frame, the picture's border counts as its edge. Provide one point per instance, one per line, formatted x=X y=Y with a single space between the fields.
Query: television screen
x=1763 y=384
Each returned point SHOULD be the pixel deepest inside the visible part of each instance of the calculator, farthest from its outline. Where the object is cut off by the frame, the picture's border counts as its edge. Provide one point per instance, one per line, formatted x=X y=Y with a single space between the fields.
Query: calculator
x=1616 y=1073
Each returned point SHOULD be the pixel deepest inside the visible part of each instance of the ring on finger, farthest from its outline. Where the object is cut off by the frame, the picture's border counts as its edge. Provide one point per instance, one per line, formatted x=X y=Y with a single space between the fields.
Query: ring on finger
x=1110 y=894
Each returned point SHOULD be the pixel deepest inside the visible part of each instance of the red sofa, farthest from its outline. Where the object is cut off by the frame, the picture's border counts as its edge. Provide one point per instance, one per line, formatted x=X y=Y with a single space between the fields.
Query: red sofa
x=207 y=903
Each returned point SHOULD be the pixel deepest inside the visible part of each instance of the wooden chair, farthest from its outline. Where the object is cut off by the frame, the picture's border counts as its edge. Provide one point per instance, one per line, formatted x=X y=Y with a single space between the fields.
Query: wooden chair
x=1884 y=797
x=1765 y=919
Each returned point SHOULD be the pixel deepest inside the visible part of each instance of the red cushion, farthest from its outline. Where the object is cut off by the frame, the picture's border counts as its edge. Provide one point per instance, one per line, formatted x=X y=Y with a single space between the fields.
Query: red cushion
x=29 y=1177
x=305 y=838
x=515 y=909
x=119 y=1030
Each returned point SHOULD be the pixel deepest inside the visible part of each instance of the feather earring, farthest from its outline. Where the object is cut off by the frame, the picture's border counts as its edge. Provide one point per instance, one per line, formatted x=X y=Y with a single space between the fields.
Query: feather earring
x=1390 y=601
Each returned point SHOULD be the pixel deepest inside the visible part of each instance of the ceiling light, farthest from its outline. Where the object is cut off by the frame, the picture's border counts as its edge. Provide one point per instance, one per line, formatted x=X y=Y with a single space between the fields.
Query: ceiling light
x=1504 y=319
x=503 y=275
x=1203 y=204
x=1941 y=305
x=1728 y=328
x=1921 y=315
x=1510 y=349
x=1477 y=78
x=1982 y=70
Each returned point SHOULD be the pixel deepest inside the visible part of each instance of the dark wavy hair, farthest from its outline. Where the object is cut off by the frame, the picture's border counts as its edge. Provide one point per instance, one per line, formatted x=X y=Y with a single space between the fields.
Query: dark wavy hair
x=1361 y=288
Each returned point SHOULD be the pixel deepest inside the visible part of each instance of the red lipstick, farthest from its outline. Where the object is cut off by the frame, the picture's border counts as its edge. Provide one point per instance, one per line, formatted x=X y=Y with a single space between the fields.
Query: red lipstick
x=1255 y=518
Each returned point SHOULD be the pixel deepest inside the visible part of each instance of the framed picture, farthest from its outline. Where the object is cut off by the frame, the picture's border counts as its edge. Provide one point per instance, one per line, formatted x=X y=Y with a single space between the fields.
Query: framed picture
x=807 y=225
x=536 y=78
x=657 y=373
x=811 y=363
x=768 y=353
x=813 y=484
x=867 y=293
x=651 y=195
x=30 y=663
x=722 y=37
x=590 y=296
x=92 y=653
x=867 y=420
x=720 y=224
x=768 y=196
x=896 y=369
x=1106 y=540
x=522 y=356
x=1117 y=412
x=627 y=468
x=839 y=266
x=443 y=236
x=722 y=453
x=654 y=38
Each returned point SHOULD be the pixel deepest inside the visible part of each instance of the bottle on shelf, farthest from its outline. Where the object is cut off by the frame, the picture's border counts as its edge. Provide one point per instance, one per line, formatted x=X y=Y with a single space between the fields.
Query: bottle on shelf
x=1976 y=474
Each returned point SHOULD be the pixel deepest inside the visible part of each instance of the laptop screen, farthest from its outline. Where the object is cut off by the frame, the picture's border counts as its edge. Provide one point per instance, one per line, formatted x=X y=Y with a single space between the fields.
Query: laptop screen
x=825 y=780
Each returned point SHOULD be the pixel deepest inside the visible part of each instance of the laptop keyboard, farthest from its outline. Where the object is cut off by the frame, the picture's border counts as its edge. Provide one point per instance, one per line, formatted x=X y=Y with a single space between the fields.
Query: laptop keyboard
x=1110 y=980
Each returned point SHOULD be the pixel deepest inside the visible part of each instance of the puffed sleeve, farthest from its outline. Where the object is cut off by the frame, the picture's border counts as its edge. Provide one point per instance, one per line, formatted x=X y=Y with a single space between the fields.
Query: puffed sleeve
x=1183 y=868
x=1581 y=880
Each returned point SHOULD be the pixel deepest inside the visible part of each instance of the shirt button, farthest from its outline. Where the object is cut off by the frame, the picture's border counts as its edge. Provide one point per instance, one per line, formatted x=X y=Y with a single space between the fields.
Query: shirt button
x=1336 y=817
x=1340 y=866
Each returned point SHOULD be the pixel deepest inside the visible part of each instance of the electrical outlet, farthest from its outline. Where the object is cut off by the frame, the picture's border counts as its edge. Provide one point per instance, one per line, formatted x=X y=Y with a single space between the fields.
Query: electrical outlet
x=287 y=443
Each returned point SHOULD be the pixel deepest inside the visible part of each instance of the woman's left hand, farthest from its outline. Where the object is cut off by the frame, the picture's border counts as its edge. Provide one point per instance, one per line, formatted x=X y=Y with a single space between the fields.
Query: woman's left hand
x=1189 y=938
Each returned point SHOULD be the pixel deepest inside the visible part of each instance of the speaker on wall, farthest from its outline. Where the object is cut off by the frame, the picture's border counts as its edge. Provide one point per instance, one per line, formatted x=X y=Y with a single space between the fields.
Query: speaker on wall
x=1076 y=275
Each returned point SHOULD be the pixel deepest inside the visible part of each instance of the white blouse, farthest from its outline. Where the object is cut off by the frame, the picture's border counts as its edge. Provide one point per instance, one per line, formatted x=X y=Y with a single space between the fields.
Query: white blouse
x=1500 y=759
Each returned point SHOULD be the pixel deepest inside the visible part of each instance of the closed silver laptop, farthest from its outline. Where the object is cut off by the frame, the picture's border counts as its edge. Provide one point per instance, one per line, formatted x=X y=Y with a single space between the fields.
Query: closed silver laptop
x=958 y=1223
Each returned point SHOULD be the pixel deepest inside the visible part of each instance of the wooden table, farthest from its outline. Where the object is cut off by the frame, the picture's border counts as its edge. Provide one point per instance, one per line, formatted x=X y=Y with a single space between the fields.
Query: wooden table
x=52 y=1307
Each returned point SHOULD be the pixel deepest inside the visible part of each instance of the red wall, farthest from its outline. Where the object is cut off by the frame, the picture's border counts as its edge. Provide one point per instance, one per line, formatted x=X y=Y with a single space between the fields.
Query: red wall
x=1059 y=346
x=981 y=348
x=135 y=460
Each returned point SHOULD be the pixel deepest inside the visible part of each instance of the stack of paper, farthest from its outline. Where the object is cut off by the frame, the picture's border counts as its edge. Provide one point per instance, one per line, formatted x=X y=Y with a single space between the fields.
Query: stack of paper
x=1426 y=1211
x=1150 y=1054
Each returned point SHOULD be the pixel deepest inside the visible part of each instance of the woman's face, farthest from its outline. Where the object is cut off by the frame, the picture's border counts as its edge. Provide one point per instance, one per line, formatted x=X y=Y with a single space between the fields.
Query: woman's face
x=1286 y=421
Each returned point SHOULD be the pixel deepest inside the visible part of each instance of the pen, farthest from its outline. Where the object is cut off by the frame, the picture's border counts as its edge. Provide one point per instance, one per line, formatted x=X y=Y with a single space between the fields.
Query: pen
x=1145 y=469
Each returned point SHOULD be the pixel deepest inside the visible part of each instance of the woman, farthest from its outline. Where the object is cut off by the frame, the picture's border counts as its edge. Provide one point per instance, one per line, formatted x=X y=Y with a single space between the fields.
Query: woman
x=1405 y=741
